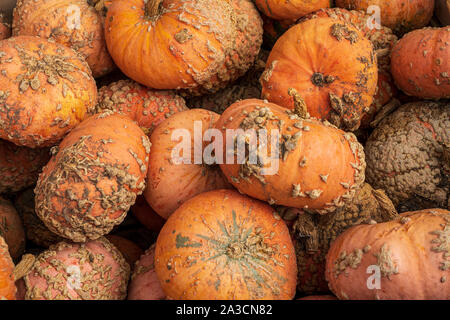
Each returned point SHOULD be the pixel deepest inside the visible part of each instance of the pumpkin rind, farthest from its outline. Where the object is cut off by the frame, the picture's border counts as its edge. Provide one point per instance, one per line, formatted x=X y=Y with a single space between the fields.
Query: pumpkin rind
x=224 y=245
x=290 y=10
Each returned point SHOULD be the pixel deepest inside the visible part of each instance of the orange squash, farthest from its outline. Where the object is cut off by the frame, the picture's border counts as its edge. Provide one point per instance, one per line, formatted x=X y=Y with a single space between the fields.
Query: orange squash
x=224 y=245
x=7 y=286
x=290 y=10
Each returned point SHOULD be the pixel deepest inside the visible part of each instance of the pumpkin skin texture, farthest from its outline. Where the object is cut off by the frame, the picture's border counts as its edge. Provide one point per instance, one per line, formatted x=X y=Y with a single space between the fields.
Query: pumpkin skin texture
x=301 y=180
x=145 y=106
x=330 y=64
x=170 y=183
x=223 y=245
x=7 y=286
x=146 y=215
x=144 y=283
x=412 y=253
x=11 y=229
x=48 y=89
x=95 y=176
x=399 y=15
x=103 y=270
x=20 y=166
x=201 y=45
x=423 y=70
x=290 y=10
x=408 y=156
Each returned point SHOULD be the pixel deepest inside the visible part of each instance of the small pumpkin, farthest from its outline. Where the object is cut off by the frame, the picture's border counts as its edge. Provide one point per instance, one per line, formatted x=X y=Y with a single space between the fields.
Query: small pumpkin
x=7 y=287
x=196 y=45
x=421 y=63
x=224 y=245
x=73 y=23
x=290 y=10
x=11 y=229
x=406 y=258
x=300 y=174
x=94 y=177
x=330 y=64
x=46 y=90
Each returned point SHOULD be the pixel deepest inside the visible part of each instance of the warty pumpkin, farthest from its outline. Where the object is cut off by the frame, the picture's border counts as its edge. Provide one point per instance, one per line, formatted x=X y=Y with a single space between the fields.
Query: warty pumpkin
x=290 y=10
x=7 y=287
x=330 y=64
x=224 y=245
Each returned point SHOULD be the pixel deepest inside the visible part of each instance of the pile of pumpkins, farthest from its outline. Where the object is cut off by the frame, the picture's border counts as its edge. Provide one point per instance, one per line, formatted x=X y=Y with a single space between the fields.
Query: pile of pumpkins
x=98 y=200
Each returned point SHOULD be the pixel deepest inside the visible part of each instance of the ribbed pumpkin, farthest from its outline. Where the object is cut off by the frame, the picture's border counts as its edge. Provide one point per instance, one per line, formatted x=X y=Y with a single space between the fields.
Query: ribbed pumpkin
x=11 y=229
x=7 y=286
x=290 y=10
x=421 y=63
x=198 y=45
x=94 y=177
x=330 y=64
x=46 y=90
x=73 y=23
x=399 y=15
x=224 y=245
x=145 y=106
x=318 y=166
x=176 y=173
x=407 y=258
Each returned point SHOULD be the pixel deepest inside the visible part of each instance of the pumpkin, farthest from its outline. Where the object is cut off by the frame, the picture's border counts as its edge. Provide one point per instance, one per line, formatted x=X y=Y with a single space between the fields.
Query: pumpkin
x=20 y=166
x=300 y=174
x=399 y=15
x=94 y=177
x=408 y=156
x=406 y=258
x=35 y=229
x=421 y=63
x=129 y=250
x=330 y=64
x=196 y=45
x=7 y=287
x=145 y=106
x=273 y=29
x=177 y=169
x=224 y=245
x=73 y=23
x=11 y=229
x=46 y=90
x=290 y=10
x=5 y=27
x=95 y=270
x=146 y=215
x=313 y=234
x=144 y=283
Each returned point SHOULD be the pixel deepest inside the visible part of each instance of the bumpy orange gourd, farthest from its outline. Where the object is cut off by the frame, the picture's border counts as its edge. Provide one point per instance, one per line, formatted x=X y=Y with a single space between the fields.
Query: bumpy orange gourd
x=290 y=10
x=74 y=23
x=330 y=64
x=198 y=45
x=317 y=166
x=94 y=177
x=177 y=169
x=7 y=286
x=224 y=245
x=421 y=63
x=46 y=90
x=407 y=258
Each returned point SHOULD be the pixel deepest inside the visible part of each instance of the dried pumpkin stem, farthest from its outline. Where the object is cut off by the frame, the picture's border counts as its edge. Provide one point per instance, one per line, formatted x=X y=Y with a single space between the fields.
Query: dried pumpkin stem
x=152 y=8
x=24 y=266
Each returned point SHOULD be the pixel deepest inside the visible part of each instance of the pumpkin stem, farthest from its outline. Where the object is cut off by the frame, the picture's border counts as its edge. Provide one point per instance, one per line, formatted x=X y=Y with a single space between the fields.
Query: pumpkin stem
x=24 y=266
x=152 y=8
x=300 y=107
x=386 y=205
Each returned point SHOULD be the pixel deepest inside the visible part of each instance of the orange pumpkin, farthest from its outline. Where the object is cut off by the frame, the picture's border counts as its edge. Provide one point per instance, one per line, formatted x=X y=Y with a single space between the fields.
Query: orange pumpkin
x=73 y=23
x=290 y=10
x=145 y=106
x=302 y=173
x=94 y=177
x=224 y=245
x=7 y=286
x=407 y=258
x=5 y=28
x=421 y=63
x=198 y=45
x=11 y=229
x=330 y=64
x=146 y=215
x=46 y=90
x=273 y=29
x=399 y=15
x=175 y=173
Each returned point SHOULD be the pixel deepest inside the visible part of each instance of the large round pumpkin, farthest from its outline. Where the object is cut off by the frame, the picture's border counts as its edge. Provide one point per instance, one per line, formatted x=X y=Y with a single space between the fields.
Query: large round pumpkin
x=74 y=23
x=318 y=166
x=330 y=64
x=224 y=245
x=199 y=45
x=290 y=10
x=46 y=90
x=7 y=286
x=407 y=258
x=421 y=63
